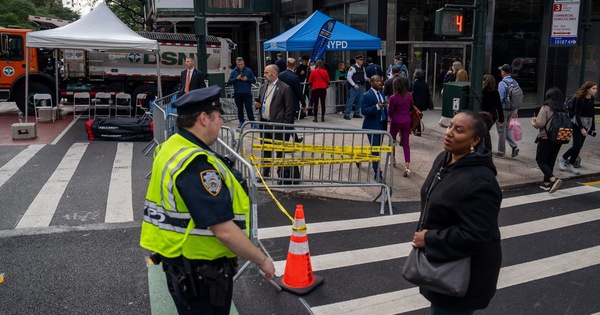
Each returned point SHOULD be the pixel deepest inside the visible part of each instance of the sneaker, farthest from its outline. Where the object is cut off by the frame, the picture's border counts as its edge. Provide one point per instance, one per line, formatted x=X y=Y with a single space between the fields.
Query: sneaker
x=571 y=169
x=240 y=125
x=545 y=187
x=357 y=116
x=562 y=164
x=555 y=185
x=347 y=117
x=515 y=152
x=498 y=154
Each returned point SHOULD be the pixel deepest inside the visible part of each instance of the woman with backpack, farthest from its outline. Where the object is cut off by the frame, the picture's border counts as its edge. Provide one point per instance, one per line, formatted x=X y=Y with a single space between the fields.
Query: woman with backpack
x=547 y=150
x=583 y=125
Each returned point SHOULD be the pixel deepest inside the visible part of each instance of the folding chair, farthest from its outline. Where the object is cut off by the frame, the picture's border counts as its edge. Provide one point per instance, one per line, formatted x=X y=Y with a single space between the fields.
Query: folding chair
x=140 y=102
x=102 y=101
x=123 y=103
x=43 y=102
x=82 y=99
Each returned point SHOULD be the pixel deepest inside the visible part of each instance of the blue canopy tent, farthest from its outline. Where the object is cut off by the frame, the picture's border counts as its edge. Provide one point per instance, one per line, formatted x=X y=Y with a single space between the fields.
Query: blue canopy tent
x=302 y=37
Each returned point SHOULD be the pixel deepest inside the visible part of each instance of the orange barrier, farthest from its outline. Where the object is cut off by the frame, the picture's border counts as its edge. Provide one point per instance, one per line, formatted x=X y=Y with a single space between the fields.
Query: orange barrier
x=298 y=277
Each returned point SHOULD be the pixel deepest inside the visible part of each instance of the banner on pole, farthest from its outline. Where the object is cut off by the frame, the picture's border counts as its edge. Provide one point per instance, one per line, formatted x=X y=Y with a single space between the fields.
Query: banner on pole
x=322 y=39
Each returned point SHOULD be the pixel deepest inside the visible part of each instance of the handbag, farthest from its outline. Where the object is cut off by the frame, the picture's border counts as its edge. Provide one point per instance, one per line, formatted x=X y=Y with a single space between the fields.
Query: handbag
x=415 y=117
x=515 y=129
x=449 y=278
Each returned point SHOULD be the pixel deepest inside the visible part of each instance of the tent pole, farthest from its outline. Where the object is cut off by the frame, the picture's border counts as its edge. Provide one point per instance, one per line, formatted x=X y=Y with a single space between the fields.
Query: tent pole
x=159 y=87
x=56 y=55
x=26 y=82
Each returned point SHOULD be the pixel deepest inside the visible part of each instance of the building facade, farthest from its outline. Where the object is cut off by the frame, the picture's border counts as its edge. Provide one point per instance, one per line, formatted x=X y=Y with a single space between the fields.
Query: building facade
x=517 y=33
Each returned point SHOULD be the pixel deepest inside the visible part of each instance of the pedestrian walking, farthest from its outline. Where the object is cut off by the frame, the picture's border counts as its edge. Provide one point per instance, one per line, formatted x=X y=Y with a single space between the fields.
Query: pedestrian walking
x=583 y=125
x=504 y=135
x=374 y=106
x=197 y=214
x=242 y=78
x=319 y=82
x=460 y=202
x=401 y=106
x=490 y=103
x=547 y=150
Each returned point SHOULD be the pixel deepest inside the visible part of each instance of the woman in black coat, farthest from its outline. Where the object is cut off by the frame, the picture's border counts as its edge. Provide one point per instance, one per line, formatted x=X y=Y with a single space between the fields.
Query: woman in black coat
x=461 y=198
x=492 y=104
x=420 y=91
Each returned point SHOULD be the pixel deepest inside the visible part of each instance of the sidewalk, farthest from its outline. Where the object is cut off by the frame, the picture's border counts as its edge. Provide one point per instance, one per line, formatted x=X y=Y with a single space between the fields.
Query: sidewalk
x=512 y=172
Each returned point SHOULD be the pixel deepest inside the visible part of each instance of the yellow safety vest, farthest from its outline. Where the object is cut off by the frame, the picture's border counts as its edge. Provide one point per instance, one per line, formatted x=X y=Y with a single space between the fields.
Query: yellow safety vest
x=168 y=228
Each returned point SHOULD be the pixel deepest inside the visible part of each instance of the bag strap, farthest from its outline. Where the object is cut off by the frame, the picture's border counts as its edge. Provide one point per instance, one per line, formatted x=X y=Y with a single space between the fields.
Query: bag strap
x=436 y=179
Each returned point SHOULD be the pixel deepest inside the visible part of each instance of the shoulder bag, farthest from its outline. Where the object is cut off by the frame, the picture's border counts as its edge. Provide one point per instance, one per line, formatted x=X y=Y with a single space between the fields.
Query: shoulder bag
x=415 y=117
x=449 y=278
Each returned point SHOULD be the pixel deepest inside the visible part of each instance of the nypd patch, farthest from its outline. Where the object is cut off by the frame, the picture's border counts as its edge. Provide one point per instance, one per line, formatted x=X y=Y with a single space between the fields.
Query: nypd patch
x=211 y=181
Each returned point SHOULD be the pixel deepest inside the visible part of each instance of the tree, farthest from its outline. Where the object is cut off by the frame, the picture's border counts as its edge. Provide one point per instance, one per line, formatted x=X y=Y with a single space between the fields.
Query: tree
x=15 y=12
x=130 y=12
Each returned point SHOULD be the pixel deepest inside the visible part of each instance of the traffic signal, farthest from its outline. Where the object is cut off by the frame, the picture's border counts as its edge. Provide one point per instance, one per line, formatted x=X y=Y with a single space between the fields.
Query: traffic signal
x=449 y=22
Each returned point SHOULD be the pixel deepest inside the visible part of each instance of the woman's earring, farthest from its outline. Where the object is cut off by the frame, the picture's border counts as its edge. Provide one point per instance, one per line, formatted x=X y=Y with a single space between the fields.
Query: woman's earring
x=472 y=149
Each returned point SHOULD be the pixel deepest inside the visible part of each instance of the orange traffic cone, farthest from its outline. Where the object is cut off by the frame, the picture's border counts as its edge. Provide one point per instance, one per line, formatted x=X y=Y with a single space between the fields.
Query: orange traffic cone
x=298 y=277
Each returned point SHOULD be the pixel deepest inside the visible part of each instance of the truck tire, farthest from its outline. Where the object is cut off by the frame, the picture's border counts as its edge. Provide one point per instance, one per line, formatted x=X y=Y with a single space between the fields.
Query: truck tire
x=34 y=87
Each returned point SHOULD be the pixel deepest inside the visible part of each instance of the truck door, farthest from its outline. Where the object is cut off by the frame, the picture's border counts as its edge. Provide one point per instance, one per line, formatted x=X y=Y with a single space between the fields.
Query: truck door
x=12 y=57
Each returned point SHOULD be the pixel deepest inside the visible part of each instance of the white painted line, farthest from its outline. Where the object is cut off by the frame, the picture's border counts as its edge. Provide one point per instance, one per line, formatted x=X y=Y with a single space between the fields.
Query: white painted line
x=332 y=226
x=119 y=206
x=41 y=210
x=64 y=131
x=14 y=165
x=410 y=300
x=388 y=252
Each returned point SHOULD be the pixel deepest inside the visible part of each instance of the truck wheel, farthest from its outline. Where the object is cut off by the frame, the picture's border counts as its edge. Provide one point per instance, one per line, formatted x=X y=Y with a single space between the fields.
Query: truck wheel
x=34 y=88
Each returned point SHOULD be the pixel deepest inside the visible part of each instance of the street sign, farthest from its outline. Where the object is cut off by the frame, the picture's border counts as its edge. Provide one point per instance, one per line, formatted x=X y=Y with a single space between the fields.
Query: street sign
x=449 y=22
x=565 y=22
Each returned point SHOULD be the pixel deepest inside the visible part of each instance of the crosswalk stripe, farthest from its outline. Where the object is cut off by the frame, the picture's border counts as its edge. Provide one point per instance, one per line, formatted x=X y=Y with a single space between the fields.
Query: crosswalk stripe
x=332 y=226
x=381 y=253
x=119 y=204
x=41 y=210
x=11 y=167
x=410 y=300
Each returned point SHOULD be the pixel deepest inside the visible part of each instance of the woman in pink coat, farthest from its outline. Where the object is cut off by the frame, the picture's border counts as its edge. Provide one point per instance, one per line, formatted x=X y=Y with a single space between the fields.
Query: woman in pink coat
x=400 y=108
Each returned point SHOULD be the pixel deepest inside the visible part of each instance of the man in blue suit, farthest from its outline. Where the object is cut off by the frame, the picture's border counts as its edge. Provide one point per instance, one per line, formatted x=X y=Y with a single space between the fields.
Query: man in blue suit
x=374 y=109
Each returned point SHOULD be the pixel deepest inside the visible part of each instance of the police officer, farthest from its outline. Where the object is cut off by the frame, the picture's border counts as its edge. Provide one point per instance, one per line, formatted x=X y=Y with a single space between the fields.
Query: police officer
x=196 y=214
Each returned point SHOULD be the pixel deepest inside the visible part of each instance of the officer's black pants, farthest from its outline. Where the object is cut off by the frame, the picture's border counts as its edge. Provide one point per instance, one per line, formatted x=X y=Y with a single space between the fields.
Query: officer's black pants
x=201 y=305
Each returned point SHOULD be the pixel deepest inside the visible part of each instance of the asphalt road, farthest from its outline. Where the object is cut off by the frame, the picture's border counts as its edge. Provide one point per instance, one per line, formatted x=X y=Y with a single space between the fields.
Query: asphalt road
x=72 y=261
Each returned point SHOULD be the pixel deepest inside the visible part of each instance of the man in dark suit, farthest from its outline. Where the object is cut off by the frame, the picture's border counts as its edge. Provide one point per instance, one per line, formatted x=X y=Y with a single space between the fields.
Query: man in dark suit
x=275 y=104
x=290 y=78
x=280 y=62
x=374 y=108
x=191 y=78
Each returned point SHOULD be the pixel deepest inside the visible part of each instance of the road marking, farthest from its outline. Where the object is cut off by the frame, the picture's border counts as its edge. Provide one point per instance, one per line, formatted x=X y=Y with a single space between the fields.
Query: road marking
x=119 y=204
x=64 y=131
x=9 y=169
x=394 y=251
x=410 y=300
x=332 y=226
x=41 y=210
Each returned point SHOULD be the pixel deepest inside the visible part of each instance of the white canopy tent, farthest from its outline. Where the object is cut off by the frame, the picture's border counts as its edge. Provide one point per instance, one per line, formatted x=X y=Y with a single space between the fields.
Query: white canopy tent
x=100 y=30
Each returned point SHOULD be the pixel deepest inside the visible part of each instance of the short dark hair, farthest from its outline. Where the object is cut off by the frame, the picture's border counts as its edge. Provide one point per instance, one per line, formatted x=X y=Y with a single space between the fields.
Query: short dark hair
x=369 y=60
x=395 y=69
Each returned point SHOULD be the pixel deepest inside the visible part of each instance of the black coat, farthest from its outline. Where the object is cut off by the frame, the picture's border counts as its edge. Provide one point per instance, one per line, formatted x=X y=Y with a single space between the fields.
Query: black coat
x=290 y=78
x=462 y=220
x=196 y=81
x=491 y=103
x=421 y=95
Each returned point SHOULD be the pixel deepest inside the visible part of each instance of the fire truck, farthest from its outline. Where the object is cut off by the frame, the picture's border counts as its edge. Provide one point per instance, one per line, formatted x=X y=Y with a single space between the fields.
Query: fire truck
x=94 y=71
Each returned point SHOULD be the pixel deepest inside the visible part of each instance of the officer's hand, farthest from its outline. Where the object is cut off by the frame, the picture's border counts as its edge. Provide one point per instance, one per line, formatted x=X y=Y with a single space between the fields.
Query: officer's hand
x=268 y=268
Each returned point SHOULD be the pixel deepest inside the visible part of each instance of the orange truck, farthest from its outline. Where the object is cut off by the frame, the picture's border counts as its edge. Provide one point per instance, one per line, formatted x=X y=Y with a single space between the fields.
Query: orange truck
x=114 y=72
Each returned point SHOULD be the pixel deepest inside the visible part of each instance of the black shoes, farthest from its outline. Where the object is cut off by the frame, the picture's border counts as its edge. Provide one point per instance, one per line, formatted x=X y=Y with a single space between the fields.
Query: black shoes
x=515 y=152
x=357 y=116
x=555 y=185
x=346 y=117
x=266 y=172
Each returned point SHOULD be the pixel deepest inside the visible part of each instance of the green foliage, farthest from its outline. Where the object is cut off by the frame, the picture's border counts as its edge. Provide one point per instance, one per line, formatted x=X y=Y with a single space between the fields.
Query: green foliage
x=131 y=12
x=15 y=12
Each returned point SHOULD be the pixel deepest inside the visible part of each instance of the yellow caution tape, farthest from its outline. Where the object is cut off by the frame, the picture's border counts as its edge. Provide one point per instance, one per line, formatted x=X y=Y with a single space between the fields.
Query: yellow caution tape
x=273 y=196
x=270 y=162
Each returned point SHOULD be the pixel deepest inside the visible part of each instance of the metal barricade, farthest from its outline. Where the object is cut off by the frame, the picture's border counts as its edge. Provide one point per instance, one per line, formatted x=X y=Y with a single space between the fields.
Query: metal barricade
x=326 y=157
x=337 y=96
x=228 y=102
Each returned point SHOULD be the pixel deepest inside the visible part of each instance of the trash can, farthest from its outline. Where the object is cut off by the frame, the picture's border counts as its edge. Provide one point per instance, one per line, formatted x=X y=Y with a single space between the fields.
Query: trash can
x=454 y=99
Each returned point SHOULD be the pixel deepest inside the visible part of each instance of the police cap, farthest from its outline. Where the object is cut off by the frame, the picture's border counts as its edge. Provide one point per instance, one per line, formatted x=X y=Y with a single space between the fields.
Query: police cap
x=198 y=100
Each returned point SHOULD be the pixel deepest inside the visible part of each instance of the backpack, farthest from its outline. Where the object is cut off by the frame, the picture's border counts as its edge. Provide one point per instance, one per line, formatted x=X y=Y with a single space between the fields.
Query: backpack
x=569 y=105
x=561 y=129
x=514 y=95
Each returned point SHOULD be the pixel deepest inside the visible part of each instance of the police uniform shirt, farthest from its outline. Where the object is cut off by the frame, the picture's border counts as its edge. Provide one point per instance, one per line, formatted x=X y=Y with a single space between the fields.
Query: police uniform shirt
x=203 y=190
